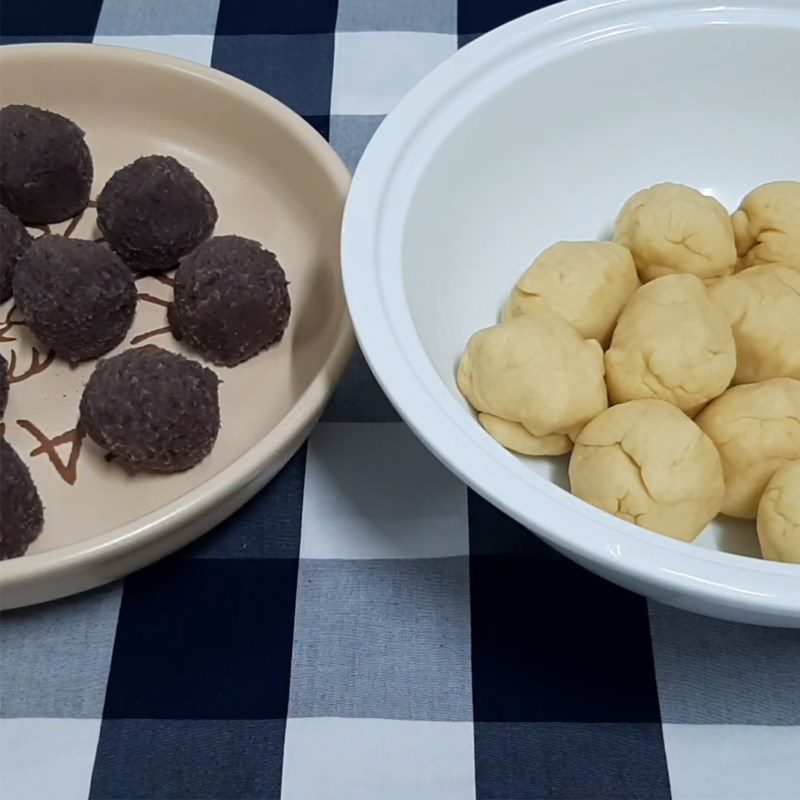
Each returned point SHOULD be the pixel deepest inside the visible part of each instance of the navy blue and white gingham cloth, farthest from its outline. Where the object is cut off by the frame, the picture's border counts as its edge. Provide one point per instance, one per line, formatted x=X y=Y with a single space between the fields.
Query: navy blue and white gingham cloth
x=366 y=627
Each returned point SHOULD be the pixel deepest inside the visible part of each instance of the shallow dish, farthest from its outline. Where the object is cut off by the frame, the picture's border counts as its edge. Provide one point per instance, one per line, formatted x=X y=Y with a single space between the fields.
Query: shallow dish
x=538 y=132
x=274 y=179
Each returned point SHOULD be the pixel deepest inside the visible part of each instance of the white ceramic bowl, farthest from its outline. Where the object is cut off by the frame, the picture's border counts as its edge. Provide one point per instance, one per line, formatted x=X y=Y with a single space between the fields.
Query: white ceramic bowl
x=538 y=132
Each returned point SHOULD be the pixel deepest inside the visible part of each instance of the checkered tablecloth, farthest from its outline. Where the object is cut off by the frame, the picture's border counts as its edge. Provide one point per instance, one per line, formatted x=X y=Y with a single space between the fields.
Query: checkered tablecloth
x=366 y=627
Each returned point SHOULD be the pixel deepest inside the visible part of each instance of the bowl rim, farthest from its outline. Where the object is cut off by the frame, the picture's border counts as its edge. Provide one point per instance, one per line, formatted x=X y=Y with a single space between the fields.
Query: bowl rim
x=384 y=181
x=281 y=442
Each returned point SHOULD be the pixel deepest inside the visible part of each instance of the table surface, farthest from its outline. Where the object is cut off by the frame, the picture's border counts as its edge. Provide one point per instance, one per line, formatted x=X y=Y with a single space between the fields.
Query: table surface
x=367 y=627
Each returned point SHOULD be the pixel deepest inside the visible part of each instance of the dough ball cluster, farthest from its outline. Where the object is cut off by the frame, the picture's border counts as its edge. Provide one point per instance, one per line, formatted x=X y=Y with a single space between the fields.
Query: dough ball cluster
x=671 y=343
x=767 y=226
x=586 y=283
x=647 y=463
x=778 y=518
x=534 y=381
x=673 y=228
x=699 y=315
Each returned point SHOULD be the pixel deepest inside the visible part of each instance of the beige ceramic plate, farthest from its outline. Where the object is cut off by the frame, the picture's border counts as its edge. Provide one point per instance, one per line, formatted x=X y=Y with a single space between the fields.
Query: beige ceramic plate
x=274 y=179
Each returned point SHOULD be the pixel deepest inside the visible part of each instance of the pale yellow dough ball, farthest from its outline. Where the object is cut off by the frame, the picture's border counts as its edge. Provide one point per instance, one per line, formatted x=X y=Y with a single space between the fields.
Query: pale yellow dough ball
x=778 y=518
x=535 y=371
x=763 y=306
x=767 y=226
x=671 y=343
x=646 y=462
x=670 y=228
x=756 y=428
x=586 y=283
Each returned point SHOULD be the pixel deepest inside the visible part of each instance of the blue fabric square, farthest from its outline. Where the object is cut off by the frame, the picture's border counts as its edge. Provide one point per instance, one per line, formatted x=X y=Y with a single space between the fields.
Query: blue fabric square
x=74 y=20
x=478 y=16
x=358 y=397
x=321 y=123
x=552 y=642
x=243 y=16
x=491 y=532
x=23 y=39
x=297 y=70
x=204 y=639
x=266 y=527
x=570 y=760
x=177 y=759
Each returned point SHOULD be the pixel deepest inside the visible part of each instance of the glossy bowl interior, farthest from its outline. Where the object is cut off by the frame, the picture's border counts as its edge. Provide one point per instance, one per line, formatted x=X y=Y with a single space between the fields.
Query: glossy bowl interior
x=539 y=132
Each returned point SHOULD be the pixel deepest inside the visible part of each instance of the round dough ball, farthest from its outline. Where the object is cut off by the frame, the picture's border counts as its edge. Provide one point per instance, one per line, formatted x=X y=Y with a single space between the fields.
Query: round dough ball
x=778 y=520
x=671 y=343
x=153 y=212
x=537 y=371
x=45 y=166
x=76 y=296
x=22 y=517
x=673 y=228
x=153 y=409
x=14 y=241
x=586 y=283
x=756 y=428
x=231 y=300
x=767 y=226
x=763 y=307
x=649 y=464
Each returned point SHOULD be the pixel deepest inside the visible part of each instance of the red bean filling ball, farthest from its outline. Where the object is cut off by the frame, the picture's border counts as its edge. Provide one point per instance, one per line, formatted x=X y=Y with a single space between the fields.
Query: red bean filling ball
x=21 y=512
x=77 y=297
x=231 y=300
x=45 y=166
x=153 y=409
x=153 y=212
x=14 y=241
x=3 y=386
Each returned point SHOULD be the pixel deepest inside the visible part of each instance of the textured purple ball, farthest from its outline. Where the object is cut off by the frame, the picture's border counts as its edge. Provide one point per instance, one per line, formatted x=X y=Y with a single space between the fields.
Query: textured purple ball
x=77 y=297
x=45 y=166
x=153 y=409
x=153 y=212
x=3 y=385
x=14 y=241
x=21 y=512
x=231 y=300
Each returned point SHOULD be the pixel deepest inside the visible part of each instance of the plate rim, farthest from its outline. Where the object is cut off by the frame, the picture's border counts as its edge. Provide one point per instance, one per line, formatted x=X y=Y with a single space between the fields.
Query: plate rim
x=372 y=271
x=285 y=438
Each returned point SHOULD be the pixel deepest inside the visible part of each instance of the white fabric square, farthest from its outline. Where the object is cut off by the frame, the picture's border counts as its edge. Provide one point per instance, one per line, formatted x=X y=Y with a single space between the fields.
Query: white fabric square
x=372 y=490
x=377 y=759
x=372 y=70
x=47 y=759
x=194 y=47
x=733 y=762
